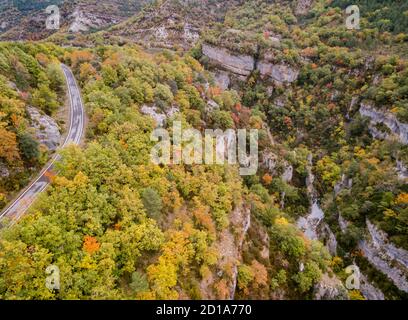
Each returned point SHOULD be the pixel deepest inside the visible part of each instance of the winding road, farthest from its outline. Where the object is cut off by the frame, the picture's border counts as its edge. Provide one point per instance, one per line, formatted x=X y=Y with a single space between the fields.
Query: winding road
x=76 y=129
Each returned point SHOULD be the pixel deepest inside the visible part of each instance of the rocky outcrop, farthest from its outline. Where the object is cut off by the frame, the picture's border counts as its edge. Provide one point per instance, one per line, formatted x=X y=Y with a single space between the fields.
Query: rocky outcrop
x=229 y=243
x=343 y=224
x=212 y=106
x=368 y=290
x=302 y=7
x=46 y=129
x=222 y=80
x=402 y=170
x=310 y=224
x=345 y=183
x=158 y=116
x=330 y=288
x=281 y=73
x=4 y=171
x=241 y=220
x=161 y=33
x=387 y=258
x=191 y=34
x=384 y=256
x=400 y=130
x=241 y=65
x=313 y=225
x=329 y=239
x=265 y=242
x=83 y=21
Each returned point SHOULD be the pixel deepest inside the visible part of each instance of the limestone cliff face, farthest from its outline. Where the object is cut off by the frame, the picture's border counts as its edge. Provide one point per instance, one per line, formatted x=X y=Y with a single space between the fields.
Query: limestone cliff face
x=402 y=170
x=229 y=245
x=84 y=20
x=243 y=65
x=166 y=35
x=383 y=255
x=330 y=288
x=20 y=21
x=4 y=171
x=387 y=258
x=46 y=129
x=399 y=129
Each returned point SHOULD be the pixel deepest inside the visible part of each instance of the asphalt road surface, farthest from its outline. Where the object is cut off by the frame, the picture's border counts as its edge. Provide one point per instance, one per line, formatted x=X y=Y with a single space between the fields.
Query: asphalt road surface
x=76 y=128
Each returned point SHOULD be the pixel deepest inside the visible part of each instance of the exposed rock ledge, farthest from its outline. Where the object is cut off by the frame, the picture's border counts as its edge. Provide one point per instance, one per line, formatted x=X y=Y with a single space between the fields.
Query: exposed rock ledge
x=330 y=288
x=387 y=258
x=368 y=289
x=402 y=170
x=397 y=128
x=243 y=65
x=46 y=129
x=4 y=171
x=84 y=21
x=278 y=72
x=159 y=117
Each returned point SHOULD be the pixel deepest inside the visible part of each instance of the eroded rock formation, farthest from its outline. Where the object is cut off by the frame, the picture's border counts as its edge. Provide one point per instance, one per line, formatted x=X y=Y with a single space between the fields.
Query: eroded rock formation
x=387 y=258
x=46 y=129
x=241 y=65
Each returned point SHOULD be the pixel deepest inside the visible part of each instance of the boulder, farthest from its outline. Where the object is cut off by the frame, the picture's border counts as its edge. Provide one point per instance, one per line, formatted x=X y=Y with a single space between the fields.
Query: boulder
x=402 y=170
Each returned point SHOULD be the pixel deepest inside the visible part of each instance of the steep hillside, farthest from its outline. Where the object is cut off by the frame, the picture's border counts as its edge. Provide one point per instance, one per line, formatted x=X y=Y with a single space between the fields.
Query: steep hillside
x=331 y=107
x=146 y=231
